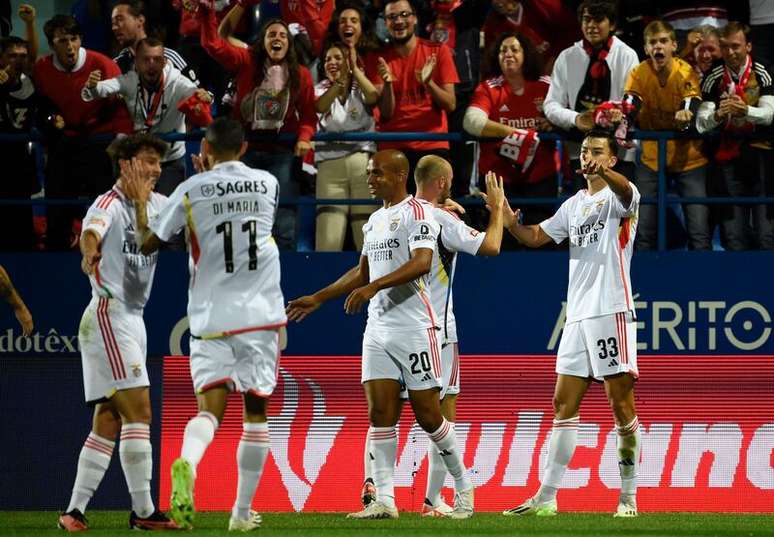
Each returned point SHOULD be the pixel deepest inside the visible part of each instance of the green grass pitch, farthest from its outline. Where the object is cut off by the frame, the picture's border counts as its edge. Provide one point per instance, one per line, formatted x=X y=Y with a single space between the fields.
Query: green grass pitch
x=410 y=524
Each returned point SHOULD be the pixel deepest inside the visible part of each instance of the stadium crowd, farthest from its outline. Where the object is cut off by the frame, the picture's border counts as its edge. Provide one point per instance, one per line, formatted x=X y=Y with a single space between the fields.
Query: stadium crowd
x=503 y=70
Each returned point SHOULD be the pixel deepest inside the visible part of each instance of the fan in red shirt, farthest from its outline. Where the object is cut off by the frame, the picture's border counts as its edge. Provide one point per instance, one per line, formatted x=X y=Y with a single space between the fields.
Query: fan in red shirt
x=274 y=94
x=416 y=80
x=548 y=23
x=509 y=105
x=76 y=166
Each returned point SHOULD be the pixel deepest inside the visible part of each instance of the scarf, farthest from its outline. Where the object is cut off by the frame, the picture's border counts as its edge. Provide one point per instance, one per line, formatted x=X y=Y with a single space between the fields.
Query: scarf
x=265 y=107
x=596 y=84
x=729 y=144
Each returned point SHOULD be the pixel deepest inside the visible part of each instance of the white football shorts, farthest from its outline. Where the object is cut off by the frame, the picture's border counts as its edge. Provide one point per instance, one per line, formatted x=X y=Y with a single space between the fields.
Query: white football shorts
x=450 y=359
x=113 y=349
x=247 y=362
x=599 y=347
x=411 y=357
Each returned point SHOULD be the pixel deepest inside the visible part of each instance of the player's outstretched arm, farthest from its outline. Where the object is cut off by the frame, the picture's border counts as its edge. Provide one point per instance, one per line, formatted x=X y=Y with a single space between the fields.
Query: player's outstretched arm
x=420 y=263
x=532 y=236
x=495 y=201
x=355 y=277
x=618 y=183
x=8 y=292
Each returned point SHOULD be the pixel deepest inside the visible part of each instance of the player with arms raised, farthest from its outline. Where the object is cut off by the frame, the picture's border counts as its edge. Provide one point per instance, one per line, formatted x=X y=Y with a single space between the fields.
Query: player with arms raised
x=400 y=343
x=599 y=338
x=235 y=309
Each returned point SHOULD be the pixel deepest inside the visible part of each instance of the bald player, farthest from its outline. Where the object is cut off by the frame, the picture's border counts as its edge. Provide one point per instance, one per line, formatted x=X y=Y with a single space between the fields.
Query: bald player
x=401 y=340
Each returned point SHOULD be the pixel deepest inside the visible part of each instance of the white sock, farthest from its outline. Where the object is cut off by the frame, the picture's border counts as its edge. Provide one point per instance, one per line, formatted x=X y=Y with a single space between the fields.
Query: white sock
x=251 y=457
x=367 y=459
x=561 y=446
x=436 y=474
x=444 y=439
x=383 y=446
x=198 y=434
x=92 y=464
x=629 y=456
x=137 y=462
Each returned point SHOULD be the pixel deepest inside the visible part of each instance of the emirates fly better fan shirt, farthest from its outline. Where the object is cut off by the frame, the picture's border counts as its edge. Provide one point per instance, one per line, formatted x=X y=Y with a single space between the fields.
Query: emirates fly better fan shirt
x=601 y=232
x=228 y=213
x=390 y=235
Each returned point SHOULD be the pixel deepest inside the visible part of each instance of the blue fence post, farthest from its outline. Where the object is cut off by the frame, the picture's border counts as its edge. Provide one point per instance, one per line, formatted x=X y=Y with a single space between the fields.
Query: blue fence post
x=307 y=210
x=662 y=194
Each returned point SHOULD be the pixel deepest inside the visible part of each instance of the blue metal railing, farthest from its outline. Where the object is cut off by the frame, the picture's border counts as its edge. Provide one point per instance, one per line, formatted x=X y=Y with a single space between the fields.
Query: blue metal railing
x=306 y=203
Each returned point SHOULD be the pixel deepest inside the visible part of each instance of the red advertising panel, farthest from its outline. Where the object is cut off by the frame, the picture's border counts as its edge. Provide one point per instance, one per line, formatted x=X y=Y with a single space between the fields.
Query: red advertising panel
x=707 y=424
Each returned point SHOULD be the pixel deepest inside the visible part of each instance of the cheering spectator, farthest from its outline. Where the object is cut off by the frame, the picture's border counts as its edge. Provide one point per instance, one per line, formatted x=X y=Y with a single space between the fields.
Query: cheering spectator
x=457 y=24
x=702 y=49
x=128 y=24
x=17 y=111
x=155 y=92
x=739 y=99
x=76 y=166
x=509 y=106
x=536 y=19
x=415 y=79
x=274 y=94
x=344 y=101
x=665 y=93
x=590 y=72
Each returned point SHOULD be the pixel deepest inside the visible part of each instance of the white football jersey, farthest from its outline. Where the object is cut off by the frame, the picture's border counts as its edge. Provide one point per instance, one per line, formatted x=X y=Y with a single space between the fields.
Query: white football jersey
x=454 y=236
x=389 y=237
x=601 y=232
x=122 y=273
x=228 y=213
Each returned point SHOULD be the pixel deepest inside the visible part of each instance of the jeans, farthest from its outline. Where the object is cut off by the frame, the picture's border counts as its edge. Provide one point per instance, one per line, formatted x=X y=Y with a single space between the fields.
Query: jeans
x=692 y=183
x=281 y=165
x=747 y=226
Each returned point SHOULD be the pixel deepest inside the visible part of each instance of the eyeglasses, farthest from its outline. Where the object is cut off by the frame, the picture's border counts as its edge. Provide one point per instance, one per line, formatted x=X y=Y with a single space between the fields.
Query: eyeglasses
x=392 y=17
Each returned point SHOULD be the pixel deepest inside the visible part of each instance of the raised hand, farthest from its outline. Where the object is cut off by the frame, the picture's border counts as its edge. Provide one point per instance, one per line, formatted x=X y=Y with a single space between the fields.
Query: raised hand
x=683 y=119
x=424 y=74
x=27 y=13
x=134 y=180
x=451 y=205
x=299 y=308
x=94 y=77
x=592 y=167
x=495 y=192
x=384 y=71
x=203 y=95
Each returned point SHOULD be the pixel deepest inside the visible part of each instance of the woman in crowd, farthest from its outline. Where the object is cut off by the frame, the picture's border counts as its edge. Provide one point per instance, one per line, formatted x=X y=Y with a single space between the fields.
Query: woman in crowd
x=274 y=95
x=509 y=105
x=345 y=99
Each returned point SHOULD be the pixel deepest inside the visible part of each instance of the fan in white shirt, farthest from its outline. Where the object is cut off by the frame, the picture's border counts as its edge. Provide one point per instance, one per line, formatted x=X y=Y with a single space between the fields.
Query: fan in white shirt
x=599 y=337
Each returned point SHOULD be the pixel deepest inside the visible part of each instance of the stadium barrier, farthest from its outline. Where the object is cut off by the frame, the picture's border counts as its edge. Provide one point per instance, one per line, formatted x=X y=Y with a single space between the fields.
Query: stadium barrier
x=307 y=204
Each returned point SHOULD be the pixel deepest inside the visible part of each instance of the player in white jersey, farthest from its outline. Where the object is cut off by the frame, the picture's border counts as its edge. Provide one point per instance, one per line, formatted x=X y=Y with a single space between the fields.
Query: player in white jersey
x=599 y=337
x=235 y=309
x=112 y=338
x=400 y=343
x=433 y=177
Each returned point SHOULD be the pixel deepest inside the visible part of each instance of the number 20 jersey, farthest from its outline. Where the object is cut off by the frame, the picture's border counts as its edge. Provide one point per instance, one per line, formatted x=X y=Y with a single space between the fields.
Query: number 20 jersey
x=389 y=237
x=228 y=213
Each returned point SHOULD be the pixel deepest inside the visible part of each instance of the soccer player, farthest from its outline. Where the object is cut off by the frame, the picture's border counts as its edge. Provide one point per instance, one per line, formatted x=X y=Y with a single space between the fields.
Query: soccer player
x=235 y=307
x=400 y=343
x=433 y=177
x=113 y=341
x=599 y=339
x=9 y=294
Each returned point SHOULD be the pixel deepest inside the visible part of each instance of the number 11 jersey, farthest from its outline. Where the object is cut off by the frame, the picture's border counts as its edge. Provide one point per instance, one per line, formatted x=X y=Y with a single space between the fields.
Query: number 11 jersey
x=228 y=213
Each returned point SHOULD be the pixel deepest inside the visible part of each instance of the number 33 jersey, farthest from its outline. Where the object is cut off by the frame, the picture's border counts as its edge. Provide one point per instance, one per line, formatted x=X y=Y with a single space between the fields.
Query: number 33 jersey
x=228 y=213
x=389 y=237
